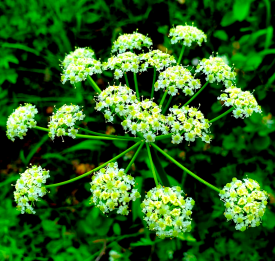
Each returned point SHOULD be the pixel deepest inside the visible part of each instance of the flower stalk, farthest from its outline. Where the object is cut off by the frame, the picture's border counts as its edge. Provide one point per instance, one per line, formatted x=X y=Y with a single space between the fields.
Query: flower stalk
x=134 y=157
x=93 y=170
x=152 y=164
x=185 y=169
x=136 y=86
x=153 y=84
x=93 y=84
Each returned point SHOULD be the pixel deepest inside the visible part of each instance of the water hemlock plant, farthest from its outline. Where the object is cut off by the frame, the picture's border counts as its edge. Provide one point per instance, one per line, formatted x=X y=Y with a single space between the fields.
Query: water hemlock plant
x=166 y=209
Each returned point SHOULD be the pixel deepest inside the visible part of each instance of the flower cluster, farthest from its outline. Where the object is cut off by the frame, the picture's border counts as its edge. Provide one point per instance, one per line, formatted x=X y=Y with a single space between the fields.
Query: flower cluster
x=131 y=41
x=112 y=189
x=167 y=211
x=177 y=78
x=122 y=63
x=20 y=120
x=188 y=120
x=245 y=203
x=146 y=118
x=64 y=120
x=29 y=188
x=216 y=70
x=157 y=59
x=78 y=65
x=188 y=34
x=244 y=102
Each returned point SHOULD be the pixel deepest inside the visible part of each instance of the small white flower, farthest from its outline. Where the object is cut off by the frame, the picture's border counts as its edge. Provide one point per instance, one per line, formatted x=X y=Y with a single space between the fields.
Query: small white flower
x=130 y=42
x=245 y=203
x=167 y=212
x=20 y=121
x=29 y=188
x=112 y=189
x=188 y=34
x=65 y=117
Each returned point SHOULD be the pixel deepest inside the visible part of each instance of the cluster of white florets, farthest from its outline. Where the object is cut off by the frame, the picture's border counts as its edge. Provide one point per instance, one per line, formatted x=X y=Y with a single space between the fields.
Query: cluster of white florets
x=29 y=188
x=177 y=78
x=216 y=70
x=191 y=121
x=78 y=65
x=20 y=120
x=188 y=34
x=245 y=203
x=167 y=211
x=112 y=189
x=157 y=59
x=62 y=122
x=244 y=102
x=122 y=63
x=145 y=117
x=131 y=41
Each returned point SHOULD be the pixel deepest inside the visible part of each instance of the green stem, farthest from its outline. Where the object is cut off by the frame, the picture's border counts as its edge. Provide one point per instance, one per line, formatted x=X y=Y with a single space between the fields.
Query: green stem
x=160 y=170
x=225 y=113
x=126 y=79
x=107 y=135
x=196 y=94
x=185 y=169
x=152 y=165
x=93 y=84
x=134 y=157
x=84 y=136
x=153 y=84
x=167 y=104
x=181 y=53
x=136 y=85
x=163 y=98
x=93 y=170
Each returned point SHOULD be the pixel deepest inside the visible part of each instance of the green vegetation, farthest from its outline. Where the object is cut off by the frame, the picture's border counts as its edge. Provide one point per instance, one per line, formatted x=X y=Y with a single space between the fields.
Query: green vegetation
x=35 y=37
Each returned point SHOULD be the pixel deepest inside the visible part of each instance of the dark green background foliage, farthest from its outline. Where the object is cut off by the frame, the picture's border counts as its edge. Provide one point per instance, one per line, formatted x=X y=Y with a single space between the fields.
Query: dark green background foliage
x=35 y=35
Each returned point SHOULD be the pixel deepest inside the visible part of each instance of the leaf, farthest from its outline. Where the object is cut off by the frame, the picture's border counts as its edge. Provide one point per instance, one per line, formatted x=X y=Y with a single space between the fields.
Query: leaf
x=229 y=142
x=121 y=144
x=117 y=229
x=86 y=145
x=269 y=219
x=241 y=9
x=145 y=242
x=172 y=181
x=261 y=143
x=55 y=156
x=221 y=34
x=20 y=46
x=228 y=19
x=269 y=36
x=186 y=237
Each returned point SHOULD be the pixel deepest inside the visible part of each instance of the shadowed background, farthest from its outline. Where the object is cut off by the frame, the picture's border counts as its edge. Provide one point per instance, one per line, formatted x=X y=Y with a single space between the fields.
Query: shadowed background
x=35 y=35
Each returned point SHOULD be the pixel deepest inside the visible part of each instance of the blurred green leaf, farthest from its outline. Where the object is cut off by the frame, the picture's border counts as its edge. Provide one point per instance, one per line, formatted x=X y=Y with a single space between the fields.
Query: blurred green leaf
x=241 y=9
x=86 y=145
x=116 y=229
x=221 y=34
x=228 y=19
x=261 y=143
